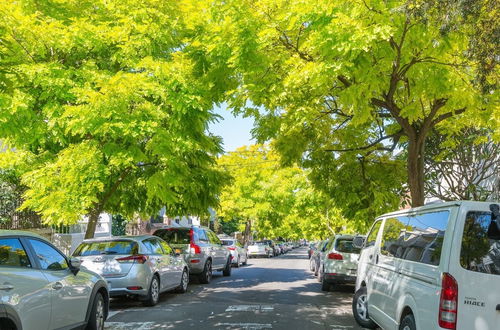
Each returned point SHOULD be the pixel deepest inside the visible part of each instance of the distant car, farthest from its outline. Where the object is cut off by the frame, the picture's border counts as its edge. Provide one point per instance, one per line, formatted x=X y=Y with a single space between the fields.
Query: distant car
x=142 y=266
x=276 y=250
x=340 y=263
x=315 y=261
x=239 y=254
x=201 y=248
x=312 y=248
x=42 y=289
x=260 y=249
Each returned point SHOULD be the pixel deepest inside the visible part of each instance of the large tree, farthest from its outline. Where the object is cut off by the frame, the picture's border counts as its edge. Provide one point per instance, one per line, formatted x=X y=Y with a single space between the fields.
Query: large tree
x=104 y=108
x=363 y=77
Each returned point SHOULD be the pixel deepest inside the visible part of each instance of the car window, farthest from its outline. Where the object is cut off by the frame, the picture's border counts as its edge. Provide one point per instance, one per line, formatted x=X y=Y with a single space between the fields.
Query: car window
x=202 y=235
x=12 y=253
x=345 y=246
x=153 y=245
x=49 y=258
x=106 y=247
x=372 y=236
x=166 y=248
x=174 y=235
x=227 y=242
x=393 y=237
x=480 y=251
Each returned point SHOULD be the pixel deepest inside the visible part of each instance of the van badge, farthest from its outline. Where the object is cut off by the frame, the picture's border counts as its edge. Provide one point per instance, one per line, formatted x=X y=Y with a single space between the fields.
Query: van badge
x=473 y=302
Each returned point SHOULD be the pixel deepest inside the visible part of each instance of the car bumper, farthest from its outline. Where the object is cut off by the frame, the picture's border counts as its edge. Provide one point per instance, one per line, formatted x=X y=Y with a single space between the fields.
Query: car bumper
x=339 y=278
x=128 y=285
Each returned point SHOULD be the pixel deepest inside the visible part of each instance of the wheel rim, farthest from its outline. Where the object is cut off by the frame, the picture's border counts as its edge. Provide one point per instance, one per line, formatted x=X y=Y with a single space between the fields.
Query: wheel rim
x=184 y=281
x=155 y=289
x=362 y=307
x=99 y=314
x=407 y=327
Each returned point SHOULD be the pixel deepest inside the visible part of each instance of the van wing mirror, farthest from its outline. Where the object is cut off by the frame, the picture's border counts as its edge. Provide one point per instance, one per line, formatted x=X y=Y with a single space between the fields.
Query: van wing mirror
x=358 y=242
x=495 y=215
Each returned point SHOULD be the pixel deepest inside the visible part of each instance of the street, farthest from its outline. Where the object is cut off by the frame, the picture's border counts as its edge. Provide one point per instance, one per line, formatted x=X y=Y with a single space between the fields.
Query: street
x=276 y=293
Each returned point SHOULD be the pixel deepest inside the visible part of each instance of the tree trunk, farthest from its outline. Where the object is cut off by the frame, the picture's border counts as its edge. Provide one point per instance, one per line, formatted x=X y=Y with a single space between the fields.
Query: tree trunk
x=92 y=224
x=248 y=231
x=415 y=167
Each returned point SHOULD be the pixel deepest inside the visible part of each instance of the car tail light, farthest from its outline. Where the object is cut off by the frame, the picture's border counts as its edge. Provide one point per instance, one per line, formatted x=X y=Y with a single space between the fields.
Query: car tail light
x=335 y=256
x=193 y=247
x=448 y=302
x=232 y=248
x=140 y=258
x=133 y=288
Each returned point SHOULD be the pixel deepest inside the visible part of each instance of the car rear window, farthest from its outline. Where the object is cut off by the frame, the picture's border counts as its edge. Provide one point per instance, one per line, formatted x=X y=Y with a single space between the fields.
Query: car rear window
x=480 y=250
x=106 y=247
x=345 y=246
x=175 y=235
x=227 y=242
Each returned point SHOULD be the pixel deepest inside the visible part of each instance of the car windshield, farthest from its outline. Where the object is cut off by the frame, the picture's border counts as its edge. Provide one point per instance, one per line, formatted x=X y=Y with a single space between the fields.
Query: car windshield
x=106 y=247
x=260 y=243
x=345 y=246
x=175 y=235
x=227 y=242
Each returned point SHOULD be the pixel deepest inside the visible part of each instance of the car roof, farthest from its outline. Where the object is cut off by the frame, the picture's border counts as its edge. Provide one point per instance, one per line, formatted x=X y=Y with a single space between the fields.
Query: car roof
x=436 y=206
x=345 y=236
x=136 y=238
x=9 y=232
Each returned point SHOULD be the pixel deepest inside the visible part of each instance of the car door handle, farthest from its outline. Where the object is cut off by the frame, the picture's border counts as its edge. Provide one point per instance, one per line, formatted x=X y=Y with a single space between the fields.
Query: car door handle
x=57 y=286
x=6 y=287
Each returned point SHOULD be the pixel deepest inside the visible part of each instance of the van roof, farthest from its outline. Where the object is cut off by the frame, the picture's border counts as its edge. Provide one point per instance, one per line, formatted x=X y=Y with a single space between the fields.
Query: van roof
x=436 y=206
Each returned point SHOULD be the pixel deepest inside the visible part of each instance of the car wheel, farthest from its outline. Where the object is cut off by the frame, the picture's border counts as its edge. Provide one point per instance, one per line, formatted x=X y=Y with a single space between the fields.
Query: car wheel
x=311 y=266
x=244 y=263
x=408 y=323
x=97 y=315
x=206 y=275
x=227 y=270
x=360 y=309
x=237 y=263
x=316 y=269
x=153 y=293
x=325 y=286
x=184 y=282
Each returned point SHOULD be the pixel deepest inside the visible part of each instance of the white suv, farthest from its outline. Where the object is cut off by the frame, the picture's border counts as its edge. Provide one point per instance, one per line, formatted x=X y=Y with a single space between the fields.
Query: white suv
x=432 y=267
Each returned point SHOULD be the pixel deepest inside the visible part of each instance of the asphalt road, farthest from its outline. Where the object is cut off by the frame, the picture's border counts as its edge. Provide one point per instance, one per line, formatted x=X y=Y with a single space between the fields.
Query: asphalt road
x=276 y=293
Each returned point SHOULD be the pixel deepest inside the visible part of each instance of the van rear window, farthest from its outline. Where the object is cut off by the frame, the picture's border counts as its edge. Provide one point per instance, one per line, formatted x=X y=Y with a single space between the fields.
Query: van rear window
x=480 y=250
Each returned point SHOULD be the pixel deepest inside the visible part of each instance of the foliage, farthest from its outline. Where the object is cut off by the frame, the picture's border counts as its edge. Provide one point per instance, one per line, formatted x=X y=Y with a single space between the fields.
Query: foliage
x=464 y=166
x=118 y=225
x=104 y=108
x=366 y=77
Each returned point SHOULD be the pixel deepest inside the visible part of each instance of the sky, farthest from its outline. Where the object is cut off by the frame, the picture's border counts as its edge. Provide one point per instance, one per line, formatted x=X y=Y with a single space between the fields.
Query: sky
x=235 y=131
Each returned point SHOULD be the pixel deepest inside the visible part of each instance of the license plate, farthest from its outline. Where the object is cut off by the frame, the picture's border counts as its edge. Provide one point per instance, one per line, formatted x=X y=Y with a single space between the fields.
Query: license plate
x=179 y=251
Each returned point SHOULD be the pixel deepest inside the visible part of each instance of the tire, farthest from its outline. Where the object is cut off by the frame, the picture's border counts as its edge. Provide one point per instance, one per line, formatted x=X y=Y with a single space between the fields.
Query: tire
x=206 y=276
x=97 y=314
x=360 y=309
x=237 y=263
x=244 y=263
x=408 y=323
x=184 y=282
x=153 y=292
x=325 y=286
x=269 y=255
x=316 y=270
x=311 y=266
x=227 y=270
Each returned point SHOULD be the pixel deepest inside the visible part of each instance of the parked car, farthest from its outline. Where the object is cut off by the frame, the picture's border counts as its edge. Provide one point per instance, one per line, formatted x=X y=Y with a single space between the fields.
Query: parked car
x=42 y=289
x=239 y=254
x=340 y=262
x=315 y=261
x=260 y=249
x=271 y=243
x=311 y=249
x=432 y=267
x=140 y=266
x=201 y=248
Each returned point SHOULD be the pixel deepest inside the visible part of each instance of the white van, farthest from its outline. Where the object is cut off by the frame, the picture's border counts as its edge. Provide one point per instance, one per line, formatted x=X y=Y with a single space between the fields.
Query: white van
x=432 y=267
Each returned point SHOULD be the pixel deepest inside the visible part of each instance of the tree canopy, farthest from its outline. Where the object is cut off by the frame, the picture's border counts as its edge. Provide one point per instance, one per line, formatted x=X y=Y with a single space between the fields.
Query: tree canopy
x=105 y=108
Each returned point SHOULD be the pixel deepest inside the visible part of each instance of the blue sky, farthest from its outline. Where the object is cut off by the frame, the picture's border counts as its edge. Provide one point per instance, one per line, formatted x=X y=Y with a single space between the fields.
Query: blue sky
x=235 y=131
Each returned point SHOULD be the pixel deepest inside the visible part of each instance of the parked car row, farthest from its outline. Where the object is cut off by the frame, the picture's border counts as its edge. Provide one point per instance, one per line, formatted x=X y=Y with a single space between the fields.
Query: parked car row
x=36 y=279
x=269 y=248
x=432 y=267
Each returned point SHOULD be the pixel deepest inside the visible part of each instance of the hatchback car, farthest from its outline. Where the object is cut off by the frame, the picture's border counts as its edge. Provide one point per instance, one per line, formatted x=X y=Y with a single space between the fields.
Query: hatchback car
x=315 y=261
x=340 y=263
x=201 y=249
x=141 y=266
x=431 y=267
x=239 y=254
x=260 y=249
x=43 y=289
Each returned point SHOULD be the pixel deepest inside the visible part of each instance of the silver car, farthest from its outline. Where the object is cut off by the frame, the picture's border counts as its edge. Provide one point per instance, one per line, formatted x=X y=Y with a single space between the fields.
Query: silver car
x=239 y=254
x=340 y=263
x=260 y=249
x=201 y=248
x=142 y=266
x=42 y=289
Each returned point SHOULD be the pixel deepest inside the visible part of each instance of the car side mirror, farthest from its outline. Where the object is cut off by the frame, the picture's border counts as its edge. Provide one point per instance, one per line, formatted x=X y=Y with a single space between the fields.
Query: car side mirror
x=358 y=242
x=74 y=265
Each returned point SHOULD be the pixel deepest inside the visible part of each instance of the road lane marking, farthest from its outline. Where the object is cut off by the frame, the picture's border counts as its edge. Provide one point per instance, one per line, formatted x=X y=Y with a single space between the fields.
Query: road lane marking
x=248 y=326
x=250 y=308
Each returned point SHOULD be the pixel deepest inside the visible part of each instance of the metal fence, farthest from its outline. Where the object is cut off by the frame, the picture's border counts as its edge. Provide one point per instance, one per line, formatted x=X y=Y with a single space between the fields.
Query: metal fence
x=11 y=218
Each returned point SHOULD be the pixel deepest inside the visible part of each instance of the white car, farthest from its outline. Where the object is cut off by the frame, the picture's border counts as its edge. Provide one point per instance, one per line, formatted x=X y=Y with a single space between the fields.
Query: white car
x=432 y=267
x=239 y=254
x=340 y=263
x=260 y=249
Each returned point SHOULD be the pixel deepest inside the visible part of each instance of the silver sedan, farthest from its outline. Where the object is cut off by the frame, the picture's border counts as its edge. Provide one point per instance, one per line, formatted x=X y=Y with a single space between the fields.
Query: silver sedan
x=142 y=266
